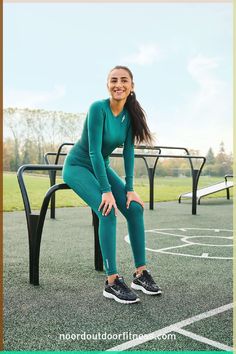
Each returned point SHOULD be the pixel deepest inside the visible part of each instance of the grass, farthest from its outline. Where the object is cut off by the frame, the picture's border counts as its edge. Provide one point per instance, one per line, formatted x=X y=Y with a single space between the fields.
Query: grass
x=166 y=189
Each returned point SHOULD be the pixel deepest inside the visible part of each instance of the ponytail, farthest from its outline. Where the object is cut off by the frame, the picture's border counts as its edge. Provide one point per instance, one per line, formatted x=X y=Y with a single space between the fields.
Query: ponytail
x=141 y=132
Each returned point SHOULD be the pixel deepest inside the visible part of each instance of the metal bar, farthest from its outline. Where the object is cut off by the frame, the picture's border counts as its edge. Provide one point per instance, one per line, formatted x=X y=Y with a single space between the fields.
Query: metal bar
x=24 y=193
x=194 y=191
x=151 y=178
x=59 y=150
x=151 y=182
x=98 y=260
x=141 y=147
x=194 y=197
x=34 y=224
x=52 y=177
x=151 y=190
x=151 y=173
x=39 y=230
x=228 y=176
x=165 y=156
x=227 y=193
x=227 y=190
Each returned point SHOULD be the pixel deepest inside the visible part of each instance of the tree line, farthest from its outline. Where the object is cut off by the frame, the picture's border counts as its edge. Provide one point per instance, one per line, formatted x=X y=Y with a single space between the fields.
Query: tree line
x=30 y=133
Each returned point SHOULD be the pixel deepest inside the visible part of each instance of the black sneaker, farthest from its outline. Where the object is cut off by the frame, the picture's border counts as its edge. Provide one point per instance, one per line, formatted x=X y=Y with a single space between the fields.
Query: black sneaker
x=145 y=283
x=120 y=292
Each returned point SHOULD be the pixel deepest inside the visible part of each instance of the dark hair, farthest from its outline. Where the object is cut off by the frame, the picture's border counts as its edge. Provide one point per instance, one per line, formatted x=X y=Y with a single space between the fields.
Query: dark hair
x=141 y=132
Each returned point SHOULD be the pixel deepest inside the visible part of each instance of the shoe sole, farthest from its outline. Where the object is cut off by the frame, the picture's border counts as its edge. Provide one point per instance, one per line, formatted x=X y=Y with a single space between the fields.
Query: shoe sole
x=145 y=291
x=111 y=296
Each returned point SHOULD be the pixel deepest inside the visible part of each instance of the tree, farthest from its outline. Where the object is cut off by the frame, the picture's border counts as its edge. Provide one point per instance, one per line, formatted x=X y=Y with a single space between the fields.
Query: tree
x=210 y=157
x=223 y=161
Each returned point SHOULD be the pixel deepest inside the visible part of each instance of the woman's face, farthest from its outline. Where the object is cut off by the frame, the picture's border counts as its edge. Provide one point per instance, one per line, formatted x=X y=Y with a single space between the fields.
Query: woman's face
x=119 y=84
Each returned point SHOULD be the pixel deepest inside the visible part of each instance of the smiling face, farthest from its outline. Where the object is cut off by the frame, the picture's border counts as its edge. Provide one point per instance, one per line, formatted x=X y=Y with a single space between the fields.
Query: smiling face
x=119 y=84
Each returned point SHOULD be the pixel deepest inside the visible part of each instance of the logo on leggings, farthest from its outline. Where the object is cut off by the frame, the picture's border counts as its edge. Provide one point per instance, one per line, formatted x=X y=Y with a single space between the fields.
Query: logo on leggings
x=123 y=118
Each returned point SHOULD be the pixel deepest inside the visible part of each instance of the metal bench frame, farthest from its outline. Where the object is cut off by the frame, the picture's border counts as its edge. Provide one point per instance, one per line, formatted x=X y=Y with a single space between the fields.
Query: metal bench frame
x=227 y=188
x=150 y=170
x=35 y=222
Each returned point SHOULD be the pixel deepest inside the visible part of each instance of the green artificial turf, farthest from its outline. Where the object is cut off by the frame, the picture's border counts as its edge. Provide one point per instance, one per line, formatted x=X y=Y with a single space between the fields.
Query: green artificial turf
x=69 y=298
x=166 y=189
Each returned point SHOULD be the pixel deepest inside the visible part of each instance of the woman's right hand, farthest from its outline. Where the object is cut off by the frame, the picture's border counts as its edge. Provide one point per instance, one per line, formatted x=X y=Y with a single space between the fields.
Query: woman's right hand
x=108 y=201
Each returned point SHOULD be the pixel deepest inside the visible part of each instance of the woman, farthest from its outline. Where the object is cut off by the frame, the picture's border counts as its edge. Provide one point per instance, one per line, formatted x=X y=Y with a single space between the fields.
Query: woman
x=110 y=123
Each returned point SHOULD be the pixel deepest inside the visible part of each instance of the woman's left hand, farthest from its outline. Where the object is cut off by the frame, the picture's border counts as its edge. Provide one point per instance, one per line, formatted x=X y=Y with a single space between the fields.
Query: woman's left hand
x=133 y=196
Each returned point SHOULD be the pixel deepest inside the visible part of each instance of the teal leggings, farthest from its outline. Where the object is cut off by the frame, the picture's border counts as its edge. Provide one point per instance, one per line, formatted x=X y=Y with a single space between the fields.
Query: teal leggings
x=84 y=183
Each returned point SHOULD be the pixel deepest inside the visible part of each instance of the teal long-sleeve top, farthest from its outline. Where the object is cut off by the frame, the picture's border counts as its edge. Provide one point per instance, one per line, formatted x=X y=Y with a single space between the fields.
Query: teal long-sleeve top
x=102 y=133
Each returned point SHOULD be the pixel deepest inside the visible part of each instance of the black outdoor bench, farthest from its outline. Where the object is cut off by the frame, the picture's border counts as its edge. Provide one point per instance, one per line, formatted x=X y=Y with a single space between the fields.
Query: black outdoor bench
x=35 y=222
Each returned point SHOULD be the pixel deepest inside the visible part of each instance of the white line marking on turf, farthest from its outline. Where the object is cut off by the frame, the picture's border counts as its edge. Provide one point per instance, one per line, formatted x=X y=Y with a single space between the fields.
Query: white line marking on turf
x=205 y=255
x=168 y=248
x=204 y=340
x=163 y=250
x=193 y=256
x=191 y=228
x=184 y=239
x=172 y=328
x=166 y=233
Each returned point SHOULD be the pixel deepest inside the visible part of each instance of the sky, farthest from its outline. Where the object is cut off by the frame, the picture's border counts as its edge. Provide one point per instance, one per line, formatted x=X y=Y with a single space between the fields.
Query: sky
x=57 y=57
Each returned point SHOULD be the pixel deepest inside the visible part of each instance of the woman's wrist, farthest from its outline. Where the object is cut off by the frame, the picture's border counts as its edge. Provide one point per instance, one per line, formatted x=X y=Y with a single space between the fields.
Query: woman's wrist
x=109 y=193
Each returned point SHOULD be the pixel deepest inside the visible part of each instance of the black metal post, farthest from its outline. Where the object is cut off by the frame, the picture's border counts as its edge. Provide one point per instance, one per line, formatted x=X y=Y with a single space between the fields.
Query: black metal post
x=31 y=233
x=53 y=197
x=227 y=190
x=151 y=187
x=227 y=193
x=195 y=174
x=98 y=261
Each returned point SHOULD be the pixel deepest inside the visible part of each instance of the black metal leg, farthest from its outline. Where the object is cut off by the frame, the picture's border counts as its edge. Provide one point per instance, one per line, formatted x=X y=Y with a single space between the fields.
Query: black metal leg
x=32 y=230
x=35 y=229
x=36 y=256
x=31 y=264
x=227 y=193
x=39 y=230
x=36 y=272
x=53 y=203
x=98 y=261
x=195 y=176
x=151 y=187
x=53 y=197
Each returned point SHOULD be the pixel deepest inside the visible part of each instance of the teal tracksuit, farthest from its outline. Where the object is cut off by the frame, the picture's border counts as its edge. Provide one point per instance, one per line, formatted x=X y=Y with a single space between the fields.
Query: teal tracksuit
x=86 y=170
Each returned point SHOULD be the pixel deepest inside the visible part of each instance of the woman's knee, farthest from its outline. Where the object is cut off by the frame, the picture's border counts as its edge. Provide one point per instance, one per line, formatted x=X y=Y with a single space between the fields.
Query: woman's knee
x=135 y=208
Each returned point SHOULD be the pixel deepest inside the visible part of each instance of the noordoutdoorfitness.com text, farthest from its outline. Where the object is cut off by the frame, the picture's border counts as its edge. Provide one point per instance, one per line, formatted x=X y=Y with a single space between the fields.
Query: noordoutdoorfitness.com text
x=112 y=336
